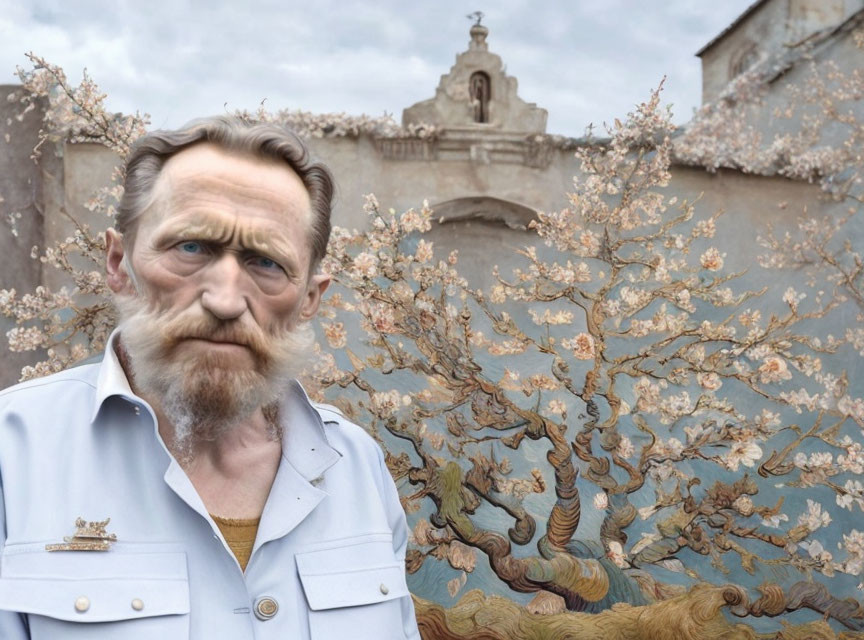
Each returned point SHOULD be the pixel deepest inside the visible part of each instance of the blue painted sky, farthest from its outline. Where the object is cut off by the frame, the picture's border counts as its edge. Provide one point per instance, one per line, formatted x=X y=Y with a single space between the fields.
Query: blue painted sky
x=584 y=61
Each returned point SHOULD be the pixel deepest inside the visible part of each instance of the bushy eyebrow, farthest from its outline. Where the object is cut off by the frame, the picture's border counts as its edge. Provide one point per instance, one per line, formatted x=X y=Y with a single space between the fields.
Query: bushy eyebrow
x=214 y=229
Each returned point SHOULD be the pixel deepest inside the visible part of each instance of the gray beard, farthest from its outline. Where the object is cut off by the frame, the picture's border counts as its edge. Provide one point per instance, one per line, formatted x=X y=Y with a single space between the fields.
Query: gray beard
x=204 y=397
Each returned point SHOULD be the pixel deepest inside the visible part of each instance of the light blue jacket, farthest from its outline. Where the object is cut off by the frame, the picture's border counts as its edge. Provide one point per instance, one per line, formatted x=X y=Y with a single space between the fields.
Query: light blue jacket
x=329 y=553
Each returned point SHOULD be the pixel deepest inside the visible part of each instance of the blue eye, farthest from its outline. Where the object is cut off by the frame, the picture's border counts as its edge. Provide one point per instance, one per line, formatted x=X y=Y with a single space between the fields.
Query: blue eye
x=265 y=263
x=191 y=247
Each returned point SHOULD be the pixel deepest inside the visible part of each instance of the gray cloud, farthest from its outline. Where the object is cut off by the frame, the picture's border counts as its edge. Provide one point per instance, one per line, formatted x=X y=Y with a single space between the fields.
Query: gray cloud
x=584 y=61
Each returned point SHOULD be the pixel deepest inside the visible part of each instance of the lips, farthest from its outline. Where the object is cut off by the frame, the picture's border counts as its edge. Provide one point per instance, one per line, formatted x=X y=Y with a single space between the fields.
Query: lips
x=222 y=343
x=221 y=336
x=234 y=343
x=217 y=335
x=226 y=344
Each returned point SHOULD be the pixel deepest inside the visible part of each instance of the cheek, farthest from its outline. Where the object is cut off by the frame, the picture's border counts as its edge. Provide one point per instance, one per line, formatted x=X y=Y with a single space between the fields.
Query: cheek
x=278 y=313
x=165 y=287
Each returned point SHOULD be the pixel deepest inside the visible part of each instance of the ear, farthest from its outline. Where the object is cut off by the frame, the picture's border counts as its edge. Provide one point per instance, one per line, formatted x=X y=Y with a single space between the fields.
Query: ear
x=117 y=277
x=318 y=284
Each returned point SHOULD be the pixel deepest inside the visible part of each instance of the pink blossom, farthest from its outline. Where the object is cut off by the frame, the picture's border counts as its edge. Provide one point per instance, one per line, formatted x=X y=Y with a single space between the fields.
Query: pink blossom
x=712 y=260
x=582 y=346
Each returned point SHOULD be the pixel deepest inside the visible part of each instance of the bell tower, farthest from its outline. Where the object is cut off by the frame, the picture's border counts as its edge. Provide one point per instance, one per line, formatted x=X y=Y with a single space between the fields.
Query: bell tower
x=478 y=94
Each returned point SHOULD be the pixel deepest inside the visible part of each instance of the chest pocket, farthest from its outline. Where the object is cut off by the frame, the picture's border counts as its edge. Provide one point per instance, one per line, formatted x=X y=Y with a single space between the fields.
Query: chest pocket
x=354 y=590
x=118 y=594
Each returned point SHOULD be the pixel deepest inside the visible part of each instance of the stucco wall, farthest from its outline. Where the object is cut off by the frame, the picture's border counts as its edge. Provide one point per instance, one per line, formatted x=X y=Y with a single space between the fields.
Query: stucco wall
x=750 y=203
x=765 y=29
x=86 y=168
x=770 y=29
x=773 y=118
x=401 y=184
x=21 y=190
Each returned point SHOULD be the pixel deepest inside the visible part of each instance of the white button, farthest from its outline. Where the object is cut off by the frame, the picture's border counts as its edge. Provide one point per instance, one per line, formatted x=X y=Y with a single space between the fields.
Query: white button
x=138 y=604
x=82 y=604
x=384 y=589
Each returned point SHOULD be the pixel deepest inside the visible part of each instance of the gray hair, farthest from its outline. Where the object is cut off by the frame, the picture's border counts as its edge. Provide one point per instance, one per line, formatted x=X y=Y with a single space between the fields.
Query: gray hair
x=150 y=152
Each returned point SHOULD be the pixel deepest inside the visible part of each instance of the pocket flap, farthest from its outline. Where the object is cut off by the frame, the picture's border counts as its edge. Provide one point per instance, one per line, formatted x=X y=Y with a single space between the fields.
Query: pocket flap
x=350 y=587
x=50 y=584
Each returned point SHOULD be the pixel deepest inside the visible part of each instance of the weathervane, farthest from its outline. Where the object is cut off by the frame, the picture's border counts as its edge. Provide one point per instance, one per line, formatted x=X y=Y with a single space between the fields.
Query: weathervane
x=477 y=15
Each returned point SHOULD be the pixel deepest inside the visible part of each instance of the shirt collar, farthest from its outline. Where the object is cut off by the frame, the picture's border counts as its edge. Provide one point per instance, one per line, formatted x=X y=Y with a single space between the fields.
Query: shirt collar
x=112 y=380
x=304 y=442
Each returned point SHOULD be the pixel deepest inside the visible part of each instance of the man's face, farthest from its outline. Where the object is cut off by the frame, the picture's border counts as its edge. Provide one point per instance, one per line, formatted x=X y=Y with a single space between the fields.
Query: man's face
x=221 y=264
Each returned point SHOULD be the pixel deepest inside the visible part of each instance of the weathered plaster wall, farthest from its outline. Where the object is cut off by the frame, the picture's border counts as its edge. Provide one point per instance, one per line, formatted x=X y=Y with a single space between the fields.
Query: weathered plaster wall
x=781 y=112
x=769 y=29
x=359 y=169
x=47 y=192
x=86 y=168
x=21 y=192
x=840 y=51
x=763 y=29
x=749 y=203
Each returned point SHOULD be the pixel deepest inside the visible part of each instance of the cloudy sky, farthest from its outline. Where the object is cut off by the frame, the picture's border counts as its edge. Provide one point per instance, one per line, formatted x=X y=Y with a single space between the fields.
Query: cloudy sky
x=583 y=60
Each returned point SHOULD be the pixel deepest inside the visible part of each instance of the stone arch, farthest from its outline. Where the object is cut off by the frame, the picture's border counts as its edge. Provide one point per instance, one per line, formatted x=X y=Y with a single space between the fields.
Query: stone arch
x=485 y=231
x=485 y=208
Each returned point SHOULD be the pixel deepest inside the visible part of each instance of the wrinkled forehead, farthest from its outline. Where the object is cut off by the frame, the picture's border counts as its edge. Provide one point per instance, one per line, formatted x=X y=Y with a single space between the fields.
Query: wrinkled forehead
x=206 y=172
x=196 y=192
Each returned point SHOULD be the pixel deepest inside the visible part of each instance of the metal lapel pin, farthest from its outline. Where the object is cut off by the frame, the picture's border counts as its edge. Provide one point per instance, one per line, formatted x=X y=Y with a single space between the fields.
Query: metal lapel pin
x=90 y=536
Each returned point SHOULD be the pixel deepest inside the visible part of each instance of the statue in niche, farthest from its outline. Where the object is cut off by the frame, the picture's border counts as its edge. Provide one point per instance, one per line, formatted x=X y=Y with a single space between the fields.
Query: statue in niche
x=479 y=90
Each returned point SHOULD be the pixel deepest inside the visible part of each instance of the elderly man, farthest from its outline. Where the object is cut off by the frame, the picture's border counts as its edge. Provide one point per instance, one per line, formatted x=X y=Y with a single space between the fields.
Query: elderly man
x=185 y=487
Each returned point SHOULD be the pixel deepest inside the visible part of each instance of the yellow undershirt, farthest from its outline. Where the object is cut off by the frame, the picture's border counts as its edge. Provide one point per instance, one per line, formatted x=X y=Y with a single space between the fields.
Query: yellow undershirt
x=240 y=536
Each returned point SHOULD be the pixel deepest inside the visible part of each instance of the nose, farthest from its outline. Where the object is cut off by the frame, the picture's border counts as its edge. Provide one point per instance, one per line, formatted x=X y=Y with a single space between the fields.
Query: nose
x=224 y=291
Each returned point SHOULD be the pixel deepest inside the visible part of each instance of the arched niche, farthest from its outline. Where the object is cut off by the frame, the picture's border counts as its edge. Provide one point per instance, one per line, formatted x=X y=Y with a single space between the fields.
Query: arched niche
x=487 y=208
x=480 y=91
x=486 y=231
x=743 y=60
